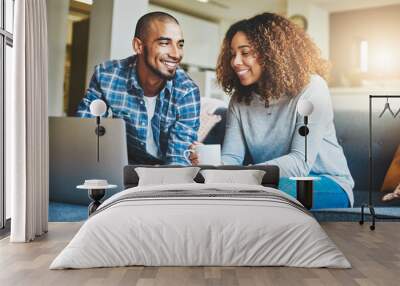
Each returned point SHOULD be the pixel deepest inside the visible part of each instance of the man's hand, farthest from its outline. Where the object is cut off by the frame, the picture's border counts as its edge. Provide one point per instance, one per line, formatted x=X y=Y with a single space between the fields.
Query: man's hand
x=194 y=157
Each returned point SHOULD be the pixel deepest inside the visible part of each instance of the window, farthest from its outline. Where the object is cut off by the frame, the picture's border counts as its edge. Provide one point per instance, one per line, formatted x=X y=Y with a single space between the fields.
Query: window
x=6 y=65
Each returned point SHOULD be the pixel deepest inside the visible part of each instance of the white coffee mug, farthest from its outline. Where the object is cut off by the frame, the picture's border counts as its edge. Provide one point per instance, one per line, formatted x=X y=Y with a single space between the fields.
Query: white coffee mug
x=207 y=154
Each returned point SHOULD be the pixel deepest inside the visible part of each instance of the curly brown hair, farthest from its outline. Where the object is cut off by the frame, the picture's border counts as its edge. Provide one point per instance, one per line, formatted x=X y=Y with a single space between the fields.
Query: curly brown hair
x=285 y=52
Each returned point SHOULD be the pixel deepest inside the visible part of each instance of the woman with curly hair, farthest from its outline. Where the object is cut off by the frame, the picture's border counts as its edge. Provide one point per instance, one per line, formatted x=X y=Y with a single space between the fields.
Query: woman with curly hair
x=267 y=64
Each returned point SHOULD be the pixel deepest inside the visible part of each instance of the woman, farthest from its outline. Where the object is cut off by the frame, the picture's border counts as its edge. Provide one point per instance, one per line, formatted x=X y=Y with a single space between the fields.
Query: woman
x=267 y=64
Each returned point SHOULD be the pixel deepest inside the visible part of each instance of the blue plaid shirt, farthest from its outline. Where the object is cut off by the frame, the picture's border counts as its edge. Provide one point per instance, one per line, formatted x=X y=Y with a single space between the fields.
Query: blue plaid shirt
x=176 y=118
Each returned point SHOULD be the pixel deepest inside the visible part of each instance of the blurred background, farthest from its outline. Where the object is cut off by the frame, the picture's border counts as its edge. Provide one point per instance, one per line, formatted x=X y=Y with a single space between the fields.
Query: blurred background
x=359 y=37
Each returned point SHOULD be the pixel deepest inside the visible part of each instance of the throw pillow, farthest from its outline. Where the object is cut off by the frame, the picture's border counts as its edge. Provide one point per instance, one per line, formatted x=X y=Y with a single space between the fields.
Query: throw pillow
x=207 y=122
x=163 y=176
x=248 y=177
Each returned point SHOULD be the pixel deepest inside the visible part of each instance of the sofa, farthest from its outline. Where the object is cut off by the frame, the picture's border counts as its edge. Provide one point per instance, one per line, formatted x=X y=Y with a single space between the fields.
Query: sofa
x=351 y=117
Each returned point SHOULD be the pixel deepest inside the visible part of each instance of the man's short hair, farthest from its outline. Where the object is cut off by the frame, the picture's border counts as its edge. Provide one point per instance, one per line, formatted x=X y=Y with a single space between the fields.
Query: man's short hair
x=144 y=22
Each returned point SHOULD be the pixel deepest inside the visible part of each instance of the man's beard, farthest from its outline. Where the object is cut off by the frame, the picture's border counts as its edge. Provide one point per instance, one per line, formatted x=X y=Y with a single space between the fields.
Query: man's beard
x=154 y=69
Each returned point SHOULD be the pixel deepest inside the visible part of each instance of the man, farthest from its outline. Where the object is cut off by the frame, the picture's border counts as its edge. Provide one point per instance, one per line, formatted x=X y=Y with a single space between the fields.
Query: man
x=158 y=101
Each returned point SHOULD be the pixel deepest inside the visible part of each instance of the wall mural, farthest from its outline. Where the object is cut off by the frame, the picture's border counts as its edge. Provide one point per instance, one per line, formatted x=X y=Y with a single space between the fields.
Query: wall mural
x=280 y=112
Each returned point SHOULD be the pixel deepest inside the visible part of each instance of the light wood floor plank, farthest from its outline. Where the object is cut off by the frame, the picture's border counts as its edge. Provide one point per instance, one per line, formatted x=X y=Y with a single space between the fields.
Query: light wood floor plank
x=374 y=255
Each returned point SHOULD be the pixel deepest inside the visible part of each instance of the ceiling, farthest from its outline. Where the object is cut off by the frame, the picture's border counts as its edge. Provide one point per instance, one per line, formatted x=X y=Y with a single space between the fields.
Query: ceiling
x=217 y=10
x=346 y=5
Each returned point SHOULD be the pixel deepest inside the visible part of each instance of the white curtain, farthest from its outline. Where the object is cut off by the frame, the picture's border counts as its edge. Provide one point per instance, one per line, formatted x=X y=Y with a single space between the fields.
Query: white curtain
x=27 y=123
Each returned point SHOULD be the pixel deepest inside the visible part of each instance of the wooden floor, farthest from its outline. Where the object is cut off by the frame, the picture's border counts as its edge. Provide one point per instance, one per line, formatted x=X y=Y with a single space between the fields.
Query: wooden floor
x=374 y=255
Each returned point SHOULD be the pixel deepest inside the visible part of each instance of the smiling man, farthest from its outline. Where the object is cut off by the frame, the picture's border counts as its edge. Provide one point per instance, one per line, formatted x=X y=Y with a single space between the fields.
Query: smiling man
x=158 y=101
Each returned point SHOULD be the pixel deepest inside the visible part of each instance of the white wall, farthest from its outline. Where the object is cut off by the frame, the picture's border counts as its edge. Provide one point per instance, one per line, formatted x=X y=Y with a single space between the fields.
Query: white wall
x=112 y=26
x=319 y=29
x=99 y=34
x=224 y=25
x=57 y=12
x=125 y=15
x=318 y=22
x=201 y=38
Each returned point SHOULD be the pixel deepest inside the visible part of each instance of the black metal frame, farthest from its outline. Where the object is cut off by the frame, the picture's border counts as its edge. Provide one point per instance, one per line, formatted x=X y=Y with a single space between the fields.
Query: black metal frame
x=6 y=39
x=370 y=167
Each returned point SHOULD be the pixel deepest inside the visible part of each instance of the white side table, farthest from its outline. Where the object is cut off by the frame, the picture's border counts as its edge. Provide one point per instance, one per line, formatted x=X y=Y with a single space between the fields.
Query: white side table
x=96 y=190
x=304 y=190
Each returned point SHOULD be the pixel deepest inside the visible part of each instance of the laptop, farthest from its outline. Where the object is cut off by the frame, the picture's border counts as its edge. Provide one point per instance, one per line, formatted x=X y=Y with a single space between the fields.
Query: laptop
x=73 y=156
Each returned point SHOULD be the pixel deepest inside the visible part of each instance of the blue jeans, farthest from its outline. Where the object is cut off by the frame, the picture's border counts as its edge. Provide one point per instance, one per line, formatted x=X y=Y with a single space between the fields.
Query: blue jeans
x=327 y=193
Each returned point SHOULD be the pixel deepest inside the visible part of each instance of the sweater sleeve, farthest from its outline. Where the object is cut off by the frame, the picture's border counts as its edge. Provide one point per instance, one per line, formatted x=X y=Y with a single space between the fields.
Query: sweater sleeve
x=234 y=149
x=293 y=164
